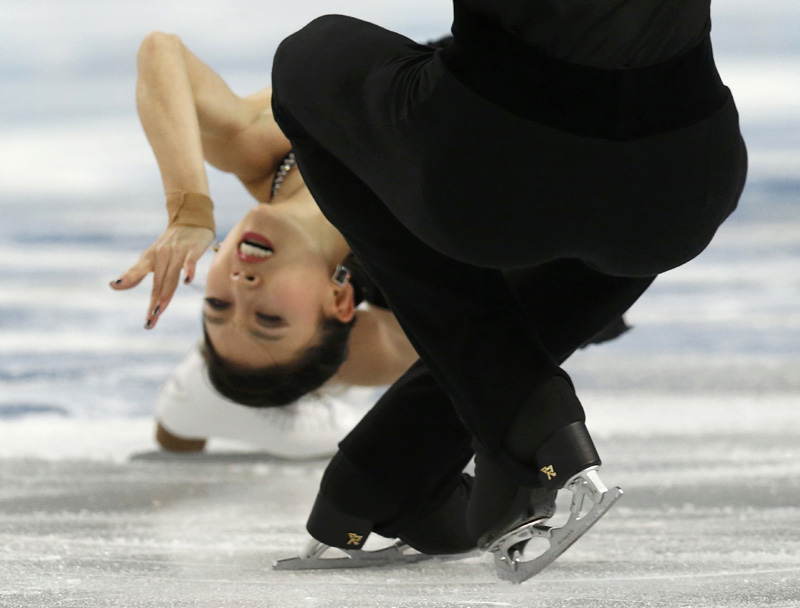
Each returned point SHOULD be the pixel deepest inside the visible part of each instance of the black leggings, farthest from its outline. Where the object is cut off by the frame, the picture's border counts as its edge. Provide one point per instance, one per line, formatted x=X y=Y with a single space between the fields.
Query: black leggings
x=502 y=242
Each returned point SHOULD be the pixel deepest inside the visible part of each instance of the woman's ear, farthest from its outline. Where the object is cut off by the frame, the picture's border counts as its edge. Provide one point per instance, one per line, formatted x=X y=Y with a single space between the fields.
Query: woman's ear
x=345 y=302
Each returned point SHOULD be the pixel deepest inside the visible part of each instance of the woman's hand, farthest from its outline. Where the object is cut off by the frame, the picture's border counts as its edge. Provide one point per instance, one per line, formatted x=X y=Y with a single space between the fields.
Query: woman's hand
x=178 y=248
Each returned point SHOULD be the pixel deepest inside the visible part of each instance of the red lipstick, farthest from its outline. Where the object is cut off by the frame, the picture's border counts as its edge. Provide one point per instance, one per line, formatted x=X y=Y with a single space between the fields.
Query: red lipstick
x=253 y=248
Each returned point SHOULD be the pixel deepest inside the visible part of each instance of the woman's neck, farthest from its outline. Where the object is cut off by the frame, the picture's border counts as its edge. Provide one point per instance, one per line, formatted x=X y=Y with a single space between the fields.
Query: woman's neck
x=303 y=211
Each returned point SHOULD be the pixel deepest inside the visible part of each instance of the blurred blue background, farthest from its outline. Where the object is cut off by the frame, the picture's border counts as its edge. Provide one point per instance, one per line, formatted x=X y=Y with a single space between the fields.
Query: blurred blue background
x=80 y=198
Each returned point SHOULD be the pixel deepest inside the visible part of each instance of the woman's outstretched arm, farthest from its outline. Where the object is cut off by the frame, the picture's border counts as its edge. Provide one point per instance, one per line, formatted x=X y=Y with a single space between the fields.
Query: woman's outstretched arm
x=190 y=116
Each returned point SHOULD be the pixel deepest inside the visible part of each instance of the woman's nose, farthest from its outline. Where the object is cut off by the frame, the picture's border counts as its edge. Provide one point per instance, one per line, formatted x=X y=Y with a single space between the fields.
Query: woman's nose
x=246 y=278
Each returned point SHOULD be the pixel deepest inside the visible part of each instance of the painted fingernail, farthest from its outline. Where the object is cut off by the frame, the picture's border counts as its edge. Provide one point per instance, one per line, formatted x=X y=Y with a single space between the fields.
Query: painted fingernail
x=156 y=310
x=187 y=280
x=148 y=325
x=117 y=282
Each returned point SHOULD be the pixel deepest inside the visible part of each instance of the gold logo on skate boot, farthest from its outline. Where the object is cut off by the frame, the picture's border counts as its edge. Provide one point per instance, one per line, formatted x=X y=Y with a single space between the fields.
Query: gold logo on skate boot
x=549 y=471
x=354 y=539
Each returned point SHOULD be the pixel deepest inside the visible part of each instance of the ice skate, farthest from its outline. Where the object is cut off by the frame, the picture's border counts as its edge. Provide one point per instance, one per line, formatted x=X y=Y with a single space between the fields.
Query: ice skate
x=516 y=523
x=591 y=499
x=339 y=539
x=313 y=557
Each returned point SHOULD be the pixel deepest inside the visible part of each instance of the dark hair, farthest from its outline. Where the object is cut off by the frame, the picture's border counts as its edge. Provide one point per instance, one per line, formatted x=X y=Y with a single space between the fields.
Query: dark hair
x=281 y=384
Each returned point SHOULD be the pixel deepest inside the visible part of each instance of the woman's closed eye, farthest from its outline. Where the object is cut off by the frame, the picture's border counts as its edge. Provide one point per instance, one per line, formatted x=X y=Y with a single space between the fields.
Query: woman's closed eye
x=216 y=304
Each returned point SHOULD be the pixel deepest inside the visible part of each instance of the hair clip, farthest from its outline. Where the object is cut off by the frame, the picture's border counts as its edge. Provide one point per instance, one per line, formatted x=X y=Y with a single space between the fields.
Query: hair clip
x=342 y=275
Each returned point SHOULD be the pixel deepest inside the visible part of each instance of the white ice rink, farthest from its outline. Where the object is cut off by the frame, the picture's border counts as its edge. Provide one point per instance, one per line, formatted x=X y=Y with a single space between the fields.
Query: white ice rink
x=696 y=411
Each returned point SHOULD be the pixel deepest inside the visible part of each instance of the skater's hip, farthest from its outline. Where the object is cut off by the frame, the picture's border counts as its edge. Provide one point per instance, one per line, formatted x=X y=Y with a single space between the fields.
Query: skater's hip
x=536 y=194
x=615 y=104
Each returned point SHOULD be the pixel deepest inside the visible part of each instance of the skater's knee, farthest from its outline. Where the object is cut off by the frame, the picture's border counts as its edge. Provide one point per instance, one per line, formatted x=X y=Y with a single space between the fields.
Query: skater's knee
x=328 y=58
x=302 y=58
x=303 y=73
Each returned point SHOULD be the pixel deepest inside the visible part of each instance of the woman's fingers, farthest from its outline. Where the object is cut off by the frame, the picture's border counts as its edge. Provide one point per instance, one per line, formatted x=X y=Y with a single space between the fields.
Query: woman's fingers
x=134 y=275
x=165 y=282
x=178 y=248
x=190 y=266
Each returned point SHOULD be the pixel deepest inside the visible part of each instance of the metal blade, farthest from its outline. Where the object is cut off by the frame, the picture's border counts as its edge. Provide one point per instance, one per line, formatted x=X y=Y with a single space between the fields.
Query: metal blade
x=311 y=557
x=509 y=549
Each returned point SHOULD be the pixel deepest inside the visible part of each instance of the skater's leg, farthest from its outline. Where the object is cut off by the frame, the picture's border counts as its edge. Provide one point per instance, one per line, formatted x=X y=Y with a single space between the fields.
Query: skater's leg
x=571 y=303
x=461 y=317
x=463 y=320
x=437 y=297
x=398 y=473
x=453 y=307
x=413 y=437
x=568 y=304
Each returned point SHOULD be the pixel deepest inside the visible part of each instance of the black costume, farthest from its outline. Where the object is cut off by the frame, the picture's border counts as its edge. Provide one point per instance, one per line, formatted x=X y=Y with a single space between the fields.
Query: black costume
x=512 y=195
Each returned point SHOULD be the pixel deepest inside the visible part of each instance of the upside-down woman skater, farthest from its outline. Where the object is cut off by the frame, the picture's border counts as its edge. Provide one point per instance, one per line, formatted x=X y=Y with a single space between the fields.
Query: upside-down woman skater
x=283 y=291
x=190 y=114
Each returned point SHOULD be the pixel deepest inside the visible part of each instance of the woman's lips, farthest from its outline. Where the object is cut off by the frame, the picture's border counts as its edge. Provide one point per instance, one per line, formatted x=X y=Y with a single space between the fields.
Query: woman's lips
x=254 y=247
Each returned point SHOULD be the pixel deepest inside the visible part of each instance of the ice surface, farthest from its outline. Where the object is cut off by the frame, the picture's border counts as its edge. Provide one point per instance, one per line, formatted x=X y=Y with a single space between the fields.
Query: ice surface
x=91 y=515
x=695 y=410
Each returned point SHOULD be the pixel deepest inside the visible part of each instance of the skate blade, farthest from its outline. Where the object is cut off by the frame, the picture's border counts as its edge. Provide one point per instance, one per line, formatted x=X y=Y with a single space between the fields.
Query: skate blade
x=311 y=557
x=509 y=549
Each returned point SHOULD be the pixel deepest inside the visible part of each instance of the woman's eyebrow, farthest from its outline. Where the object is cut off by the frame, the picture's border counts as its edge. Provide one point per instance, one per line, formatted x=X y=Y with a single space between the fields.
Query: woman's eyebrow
x=259 y=335
x=271 y=324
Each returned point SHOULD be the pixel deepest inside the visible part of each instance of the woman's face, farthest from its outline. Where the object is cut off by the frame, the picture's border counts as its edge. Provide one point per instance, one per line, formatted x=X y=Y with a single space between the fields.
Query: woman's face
x=267 y=291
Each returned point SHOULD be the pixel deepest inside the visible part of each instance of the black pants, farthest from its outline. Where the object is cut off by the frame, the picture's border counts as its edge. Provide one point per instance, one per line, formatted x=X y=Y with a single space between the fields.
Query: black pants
x=504 y=234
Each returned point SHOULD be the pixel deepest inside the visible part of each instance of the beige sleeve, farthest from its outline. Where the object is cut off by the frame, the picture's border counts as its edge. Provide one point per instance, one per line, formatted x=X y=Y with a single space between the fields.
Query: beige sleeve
x=190 y=209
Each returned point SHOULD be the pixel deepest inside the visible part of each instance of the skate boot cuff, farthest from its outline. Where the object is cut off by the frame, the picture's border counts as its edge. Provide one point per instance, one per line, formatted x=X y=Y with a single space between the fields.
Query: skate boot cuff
x=567 y=452
x=332 y=527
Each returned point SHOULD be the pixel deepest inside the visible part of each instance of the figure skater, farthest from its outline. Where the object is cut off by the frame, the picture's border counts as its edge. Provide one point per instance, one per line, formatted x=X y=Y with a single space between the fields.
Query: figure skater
x=511 y=195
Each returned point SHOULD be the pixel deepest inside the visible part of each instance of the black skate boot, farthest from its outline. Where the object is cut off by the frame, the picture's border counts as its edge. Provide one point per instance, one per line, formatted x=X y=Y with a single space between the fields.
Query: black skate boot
x=500 y=504
x=331 y=530
x=441 y=528
x=438 y=530
x=506 y=516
